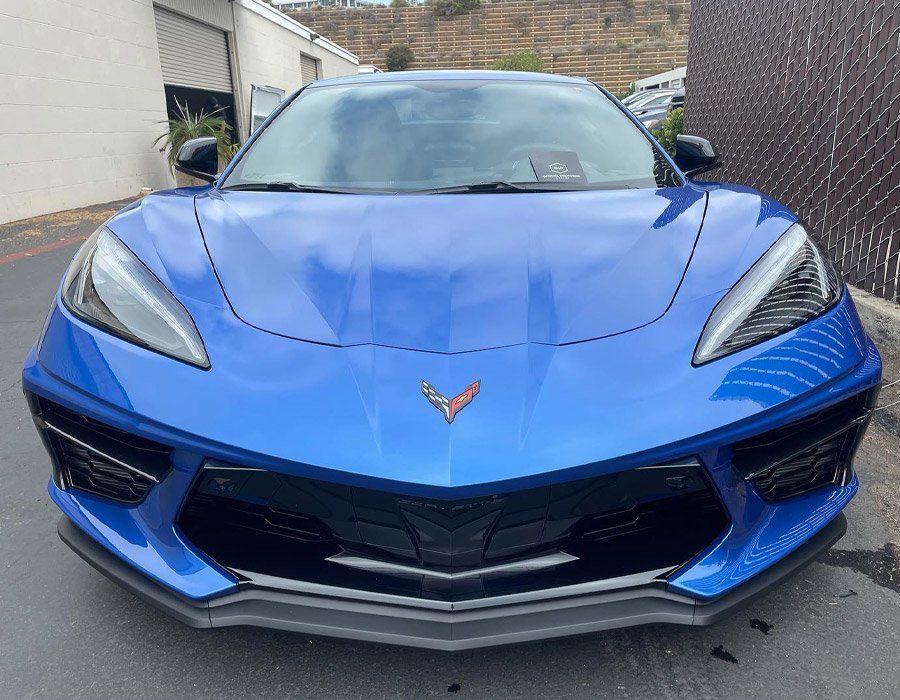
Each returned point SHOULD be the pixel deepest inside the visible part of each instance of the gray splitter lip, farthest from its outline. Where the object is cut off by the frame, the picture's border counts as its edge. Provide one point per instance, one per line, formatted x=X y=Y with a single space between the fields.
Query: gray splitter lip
x=355 y=614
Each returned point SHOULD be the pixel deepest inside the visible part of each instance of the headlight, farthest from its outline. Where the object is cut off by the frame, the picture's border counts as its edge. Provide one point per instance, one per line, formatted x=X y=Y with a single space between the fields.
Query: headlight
x=108 y=287
x=792 y=283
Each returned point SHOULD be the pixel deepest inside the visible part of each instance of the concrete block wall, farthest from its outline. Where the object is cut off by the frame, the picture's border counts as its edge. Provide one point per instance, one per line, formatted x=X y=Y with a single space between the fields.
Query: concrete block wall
x=80 y=97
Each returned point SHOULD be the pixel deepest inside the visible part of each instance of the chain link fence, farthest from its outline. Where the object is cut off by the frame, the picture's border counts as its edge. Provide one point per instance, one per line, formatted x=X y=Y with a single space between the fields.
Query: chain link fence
x=802 y=97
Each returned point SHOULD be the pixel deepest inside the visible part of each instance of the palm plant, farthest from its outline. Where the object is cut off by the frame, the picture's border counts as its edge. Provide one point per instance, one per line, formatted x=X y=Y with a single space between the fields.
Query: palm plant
x=191 y=125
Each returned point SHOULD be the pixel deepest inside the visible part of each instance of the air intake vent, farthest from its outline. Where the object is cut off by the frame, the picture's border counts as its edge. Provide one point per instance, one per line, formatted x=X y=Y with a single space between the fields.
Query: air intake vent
x=823 y=465
x=97 y=458
x=88 y=471
x=811 y=453
x=268 y=523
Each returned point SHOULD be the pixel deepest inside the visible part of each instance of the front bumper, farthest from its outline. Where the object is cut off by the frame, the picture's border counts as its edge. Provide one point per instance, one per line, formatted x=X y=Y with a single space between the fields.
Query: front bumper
x=701 y=412
x=341 y=612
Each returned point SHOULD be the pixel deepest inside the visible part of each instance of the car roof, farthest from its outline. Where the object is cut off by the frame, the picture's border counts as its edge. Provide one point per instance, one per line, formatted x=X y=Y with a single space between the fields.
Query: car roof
x=420 y=75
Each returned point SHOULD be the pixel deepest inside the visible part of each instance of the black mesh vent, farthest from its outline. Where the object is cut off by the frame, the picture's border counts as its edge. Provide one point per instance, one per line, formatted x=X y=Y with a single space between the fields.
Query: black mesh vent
x=230 y=514
x=649 y=517
x=640 y=520
x=88 y=471
x=808 y=454
x=97 y=458
x=823 y=465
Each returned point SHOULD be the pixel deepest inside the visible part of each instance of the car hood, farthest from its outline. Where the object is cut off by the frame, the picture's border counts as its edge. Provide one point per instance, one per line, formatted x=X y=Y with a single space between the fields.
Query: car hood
x=450 y=273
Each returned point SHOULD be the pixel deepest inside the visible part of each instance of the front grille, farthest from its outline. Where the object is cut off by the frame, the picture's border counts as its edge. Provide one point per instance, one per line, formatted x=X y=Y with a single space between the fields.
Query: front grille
x=253 y=520
x=808 y=454
x=94 y=457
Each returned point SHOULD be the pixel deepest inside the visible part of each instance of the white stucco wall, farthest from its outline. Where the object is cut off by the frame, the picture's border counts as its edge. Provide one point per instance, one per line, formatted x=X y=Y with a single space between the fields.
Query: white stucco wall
x=80 y=94
x=268 y=53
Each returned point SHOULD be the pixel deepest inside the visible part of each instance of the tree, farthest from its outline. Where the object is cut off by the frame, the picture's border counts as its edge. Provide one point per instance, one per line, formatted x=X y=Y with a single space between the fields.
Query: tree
x=522 y=60
x=399 y=57
x=399 y=3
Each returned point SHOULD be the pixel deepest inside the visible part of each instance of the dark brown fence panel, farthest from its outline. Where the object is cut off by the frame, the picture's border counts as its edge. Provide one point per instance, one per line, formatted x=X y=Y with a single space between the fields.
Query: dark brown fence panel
x=803 y=99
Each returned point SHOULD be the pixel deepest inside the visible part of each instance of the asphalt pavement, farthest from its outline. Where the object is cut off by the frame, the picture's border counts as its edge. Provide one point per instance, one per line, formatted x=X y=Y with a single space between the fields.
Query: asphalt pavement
x=832 y=631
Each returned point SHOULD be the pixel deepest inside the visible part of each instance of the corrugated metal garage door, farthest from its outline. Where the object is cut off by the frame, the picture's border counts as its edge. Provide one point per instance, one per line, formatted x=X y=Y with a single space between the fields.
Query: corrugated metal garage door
x=192 y=54
x=309 y=69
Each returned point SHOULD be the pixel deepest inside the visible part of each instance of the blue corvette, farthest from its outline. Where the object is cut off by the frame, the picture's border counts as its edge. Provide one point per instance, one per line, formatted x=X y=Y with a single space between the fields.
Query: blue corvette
x=451 y=359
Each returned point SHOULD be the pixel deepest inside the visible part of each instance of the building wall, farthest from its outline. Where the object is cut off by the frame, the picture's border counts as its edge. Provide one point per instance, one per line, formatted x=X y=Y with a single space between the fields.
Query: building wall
x=611 y=41
x=803 y=99
x=269 y=54
x=80 y=95
x=81 y=92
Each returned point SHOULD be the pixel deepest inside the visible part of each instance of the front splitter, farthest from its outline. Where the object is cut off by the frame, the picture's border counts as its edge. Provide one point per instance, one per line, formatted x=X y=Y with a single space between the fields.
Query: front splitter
x=354 y=614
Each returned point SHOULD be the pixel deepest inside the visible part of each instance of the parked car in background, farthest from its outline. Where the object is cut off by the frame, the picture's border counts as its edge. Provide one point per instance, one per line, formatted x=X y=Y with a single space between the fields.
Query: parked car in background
x=677 y=100
x=653 y=117
x=648 y=98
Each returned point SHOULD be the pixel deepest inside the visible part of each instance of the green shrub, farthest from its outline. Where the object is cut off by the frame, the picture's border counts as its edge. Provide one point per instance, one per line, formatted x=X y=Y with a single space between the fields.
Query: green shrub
x=399 y=57
x=668 y=130
x=453 y=8
x=193 y=125
x=522 y=60
x=626 y=93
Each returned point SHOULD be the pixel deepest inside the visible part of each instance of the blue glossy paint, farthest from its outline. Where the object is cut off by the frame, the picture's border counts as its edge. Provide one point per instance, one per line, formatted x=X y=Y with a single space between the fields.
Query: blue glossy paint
x=579 y=312
x=158 y=552
x=451 y=273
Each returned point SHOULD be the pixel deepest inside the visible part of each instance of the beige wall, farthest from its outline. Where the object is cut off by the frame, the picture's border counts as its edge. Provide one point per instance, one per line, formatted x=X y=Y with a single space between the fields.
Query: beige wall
x=80 y=95
x=268 y=53
x=81 y=92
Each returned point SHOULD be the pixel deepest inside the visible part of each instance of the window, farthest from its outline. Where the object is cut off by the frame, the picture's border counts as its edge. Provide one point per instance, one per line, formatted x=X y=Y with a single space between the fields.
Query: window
x=414 y=135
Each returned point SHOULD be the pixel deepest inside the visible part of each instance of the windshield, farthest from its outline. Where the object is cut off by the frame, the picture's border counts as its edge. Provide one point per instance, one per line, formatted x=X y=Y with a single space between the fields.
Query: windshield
x=442 y=134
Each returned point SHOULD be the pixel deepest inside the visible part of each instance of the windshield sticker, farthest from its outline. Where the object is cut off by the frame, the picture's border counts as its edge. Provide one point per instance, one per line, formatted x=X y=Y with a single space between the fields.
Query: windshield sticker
x=557 y=166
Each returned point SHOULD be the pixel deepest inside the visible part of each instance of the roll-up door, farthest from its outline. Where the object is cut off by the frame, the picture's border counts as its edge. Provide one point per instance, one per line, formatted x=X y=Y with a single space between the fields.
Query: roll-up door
x=309 y=69
x=192 y=54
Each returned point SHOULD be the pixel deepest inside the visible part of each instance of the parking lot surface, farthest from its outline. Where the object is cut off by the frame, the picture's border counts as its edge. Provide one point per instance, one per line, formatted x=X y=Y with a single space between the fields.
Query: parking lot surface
x=832 y=631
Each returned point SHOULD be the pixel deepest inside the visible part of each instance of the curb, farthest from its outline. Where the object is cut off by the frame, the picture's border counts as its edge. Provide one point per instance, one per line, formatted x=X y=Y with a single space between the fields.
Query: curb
x=880 y=317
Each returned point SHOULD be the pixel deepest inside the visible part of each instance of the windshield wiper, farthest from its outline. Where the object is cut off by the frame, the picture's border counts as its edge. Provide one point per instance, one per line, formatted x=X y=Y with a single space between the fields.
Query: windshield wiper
x=495 y=186
x=283 y=186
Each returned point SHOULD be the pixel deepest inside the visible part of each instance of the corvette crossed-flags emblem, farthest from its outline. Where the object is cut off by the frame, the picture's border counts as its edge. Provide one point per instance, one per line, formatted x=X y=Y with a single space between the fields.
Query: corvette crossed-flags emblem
x=450 y=407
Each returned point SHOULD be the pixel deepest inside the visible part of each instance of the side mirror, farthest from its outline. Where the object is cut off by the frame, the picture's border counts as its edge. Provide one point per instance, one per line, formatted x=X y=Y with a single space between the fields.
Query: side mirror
x=695 y=155
x=199 y=158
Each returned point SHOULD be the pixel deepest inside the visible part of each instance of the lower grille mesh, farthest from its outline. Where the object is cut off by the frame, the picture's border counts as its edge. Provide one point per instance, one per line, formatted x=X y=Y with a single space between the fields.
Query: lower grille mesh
x=631 y=522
